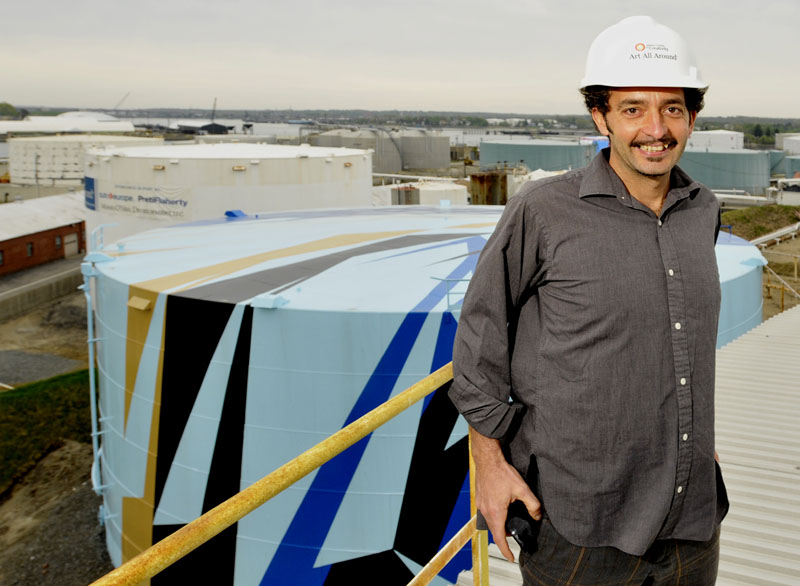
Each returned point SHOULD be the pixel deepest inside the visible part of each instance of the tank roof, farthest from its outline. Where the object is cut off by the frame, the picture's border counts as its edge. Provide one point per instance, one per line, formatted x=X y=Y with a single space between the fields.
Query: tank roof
x=232 y=151
x=366 y=259
x=116 y=139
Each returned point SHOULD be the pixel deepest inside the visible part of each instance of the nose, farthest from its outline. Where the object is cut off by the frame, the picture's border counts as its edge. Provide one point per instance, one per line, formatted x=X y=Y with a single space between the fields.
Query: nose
x=654 y=124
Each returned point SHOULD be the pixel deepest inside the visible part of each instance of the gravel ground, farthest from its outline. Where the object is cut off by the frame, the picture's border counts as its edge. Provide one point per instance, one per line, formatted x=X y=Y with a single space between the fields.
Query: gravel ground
x=18 y=367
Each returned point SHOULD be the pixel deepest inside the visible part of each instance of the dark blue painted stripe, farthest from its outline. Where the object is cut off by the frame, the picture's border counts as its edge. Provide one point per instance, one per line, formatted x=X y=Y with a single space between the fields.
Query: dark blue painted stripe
x=294 y=559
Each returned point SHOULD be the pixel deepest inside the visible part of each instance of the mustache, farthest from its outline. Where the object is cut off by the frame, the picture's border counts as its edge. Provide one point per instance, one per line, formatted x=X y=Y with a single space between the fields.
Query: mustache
x=667 y=140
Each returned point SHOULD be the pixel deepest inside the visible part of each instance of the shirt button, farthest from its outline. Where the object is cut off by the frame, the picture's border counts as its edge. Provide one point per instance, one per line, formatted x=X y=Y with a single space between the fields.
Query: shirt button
x=660 y=222
x=685 y=436
x=677 y=325
x=680 y=489
x=671 y=272
x=683 y=381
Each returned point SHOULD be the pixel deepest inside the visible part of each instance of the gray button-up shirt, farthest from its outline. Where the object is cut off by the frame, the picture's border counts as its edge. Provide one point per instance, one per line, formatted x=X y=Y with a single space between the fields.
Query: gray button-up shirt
x=587 y=341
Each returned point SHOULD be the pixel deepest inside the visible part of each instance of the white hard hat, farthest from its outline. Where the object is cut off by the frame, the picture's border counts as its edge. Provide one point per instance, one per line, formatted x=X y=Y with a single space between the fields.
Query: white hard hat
x=638 y=51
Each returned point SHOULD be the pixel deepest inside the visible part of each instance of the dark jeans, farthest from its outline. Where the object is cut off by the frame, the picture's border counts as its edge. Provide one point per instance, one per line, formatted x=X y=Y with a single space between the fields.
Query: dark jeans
x=556 y=562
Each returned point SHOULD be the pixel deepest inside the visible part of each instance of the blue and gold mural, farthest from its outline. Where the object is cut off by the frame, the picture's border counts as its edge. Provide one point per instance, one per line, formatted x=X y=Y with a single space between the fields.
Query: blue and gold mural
x=228 y=348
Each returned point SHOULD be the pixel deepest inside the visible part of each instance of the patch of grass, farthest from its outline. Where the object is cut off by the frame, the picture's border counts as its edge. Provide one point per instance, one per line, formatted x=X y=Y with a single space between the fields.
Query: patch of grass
x=36 y=418
x=754 y=222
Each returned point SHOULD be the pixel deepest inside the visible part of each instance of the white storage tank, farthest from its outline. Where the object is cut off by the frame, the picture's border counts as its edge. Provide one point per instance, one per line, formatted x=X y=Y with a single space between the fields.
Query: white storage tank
x=791 y=144
x=430 y=193
x=59 y=160
x=143 y=188
x=716 y=140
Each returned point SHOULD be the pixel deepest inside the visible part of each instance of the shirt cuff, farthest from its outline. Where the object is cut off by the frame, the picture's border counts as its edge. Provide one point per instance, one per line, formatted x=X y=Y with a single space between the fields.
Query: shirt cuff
x=486 y=414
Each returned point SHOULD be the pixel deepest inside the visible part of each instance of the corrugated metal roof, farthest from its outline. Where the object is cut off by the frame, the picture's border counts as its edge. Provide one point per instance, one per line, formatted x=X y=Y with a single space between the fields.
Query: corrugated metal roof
x=44 y=213
x=758 y=439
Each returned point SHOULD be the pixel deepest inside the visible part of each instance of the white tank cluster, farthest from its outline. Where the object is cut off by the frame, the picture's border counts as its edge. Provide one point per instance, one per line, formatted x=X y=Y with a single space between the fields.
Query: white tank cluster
x=395 y=150
x=142 y=188
x=59 y=160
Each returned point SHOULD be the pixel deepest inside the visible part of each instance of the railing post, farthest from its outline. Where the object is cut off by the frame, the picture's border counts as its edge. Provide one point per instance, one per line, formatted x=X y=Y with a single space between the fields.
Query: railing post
x=480 y=540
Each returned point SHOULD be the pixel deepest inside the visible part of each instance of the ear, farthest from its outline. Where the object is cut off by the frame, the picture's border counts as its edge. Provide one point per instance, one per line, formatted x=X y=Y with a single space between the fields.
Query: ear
x=600 y=121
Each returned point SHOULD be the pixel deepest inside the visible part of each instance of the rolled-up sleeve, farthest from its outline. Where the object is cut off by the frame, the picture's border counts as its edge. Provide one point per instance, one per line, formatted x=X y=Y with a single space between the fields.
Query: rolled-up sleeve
x=508 y=266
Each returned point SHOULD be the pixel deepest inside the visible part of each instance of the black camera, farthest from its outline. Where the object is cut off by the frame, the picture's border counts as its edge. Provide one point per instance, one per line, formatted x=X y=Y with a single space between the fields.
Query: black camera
x=521 y=526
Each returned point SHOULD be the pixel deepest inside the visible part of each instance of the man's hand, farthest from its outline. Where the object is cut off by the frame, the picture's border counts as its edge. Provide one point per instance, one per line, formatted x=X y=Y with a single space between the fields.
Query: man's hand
x=497 y=485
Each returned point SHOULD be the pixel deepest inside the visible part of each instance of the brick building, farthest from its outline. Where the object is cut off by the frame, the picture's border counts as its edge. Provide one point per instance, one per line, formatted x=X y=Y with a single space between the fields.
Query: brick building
x=40 y=230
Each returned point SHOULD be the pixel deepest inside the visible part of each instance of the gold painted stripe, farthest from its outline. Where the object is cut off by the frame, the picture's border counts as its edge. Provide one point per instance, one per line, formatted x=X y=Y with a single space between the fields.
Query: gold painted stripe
x=138 y=513
x=136 y=336
x=199 y=276
x=117 y=253
x=480 y=225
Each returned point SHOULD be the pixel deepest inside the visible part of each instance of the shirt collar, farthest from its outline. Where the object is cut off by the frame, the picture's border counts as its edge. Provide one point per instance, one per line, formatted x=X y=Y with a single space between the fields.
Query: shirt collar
x=601 y=179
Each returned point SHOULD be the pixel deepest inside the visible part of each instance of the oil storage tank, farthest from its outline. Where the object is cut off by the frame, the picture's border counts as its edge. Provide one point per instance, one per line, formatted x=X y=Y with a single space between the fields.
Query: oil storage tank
x=219 y=363
x=548 y=155
x=59 y=160
x=742 y=169
x=135 y=189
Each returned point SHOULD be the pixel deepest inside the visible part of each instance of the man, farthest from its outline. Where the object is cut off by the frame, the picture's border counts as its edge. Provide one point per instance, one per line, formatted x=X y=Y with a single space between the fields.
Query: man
x=584 y=358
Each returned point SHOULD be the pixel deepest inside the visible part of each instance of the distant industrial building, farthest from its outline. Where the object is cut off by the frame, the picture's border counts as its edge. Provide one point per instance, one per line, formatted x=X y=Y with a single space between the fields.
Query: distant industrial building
x=394 y=150
x=548 y=155
x=59 y=160
x=791 y=144
x=36 y=231
x=780 y=137
x=66 y=122
x=432 y=193
x=715 y=140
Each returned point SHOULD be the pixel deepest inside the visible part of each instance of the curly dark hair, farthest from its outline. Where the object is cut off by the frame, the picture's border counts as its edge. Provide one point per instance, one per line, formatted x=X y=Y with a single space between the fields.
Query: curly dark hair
x=596 y=96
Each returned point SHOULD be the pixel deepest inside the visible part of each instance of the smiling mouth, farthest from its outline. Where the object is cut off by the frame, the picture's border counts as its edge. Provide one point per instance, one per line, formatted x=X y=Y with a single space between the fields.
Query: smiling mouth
x=655 y=149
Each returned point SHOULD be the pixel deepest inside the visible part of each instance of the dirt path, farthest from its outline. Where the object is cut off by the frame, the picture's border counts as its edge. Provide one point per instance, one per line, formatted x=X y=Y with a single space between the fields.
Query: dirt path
x=49 y=534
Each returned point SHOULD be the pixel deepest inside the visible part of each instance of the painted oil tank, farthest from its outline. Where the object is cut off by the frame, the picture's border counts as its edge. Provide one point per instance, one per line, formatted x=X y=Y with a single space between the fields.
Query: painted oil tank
x=739 y=264
x=137 y=189
x=227 y=347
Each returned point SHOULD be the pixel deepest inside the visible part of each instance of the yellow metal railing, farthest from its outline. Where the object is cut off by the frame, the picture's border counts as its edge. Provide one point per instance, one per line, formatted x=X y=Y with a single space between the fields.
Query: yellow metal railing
x=172 y=548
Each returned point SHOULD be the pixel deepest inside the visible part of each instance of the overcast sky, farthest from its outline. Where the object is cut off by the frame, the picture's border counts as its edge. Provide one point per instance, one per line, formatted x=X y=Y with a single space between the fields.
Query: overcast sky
x=523 y=56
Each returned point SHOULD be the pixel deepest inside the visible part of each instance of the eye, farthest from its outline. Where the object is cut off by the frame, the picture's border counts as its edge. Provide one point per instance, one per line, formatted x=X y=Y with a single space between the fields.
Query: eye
x=675 y=110
x=632 y=111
